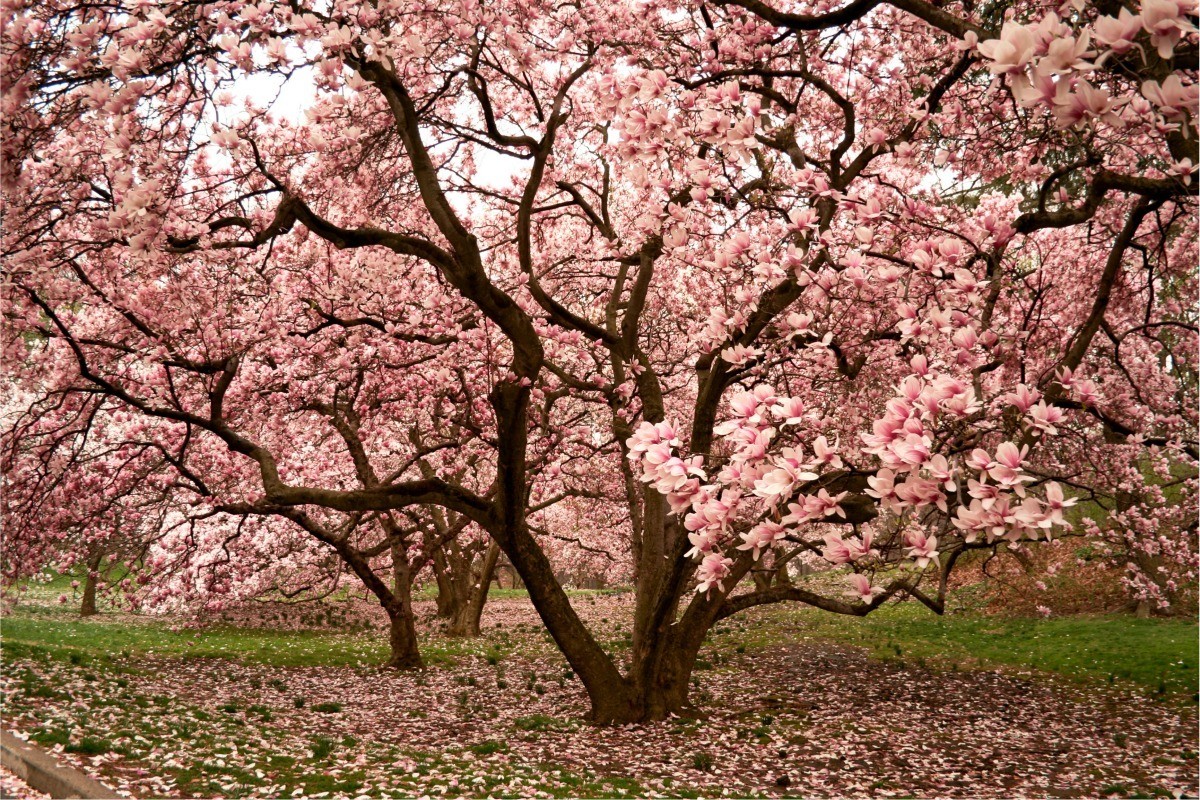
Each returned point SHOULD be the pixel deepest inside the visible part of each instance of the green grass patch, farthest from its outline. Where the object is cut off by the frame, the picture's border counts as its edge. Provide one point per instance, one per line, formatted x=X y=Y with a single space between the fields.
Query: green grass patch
x=1157 y=654
x=327 y=708
x=121 y=641
x=90 y=746
x=539 y=722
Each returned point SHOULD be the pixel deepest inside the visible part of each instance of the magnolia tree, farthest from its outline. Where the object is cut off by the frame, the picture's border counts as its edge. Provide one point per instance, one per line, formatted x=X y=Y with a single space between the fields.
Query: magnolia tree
x=878 y=284
x=80 y=490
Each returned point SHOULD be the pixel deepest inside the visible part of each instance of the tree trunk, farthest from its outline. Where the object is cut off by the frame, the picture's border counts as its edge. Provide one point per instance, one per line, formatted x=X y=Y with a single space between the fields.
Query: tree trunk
x=402 y=639
x=469 y=610
x=445 y=585
x=762 y=579
x=402 y=628
x=655 y=689
x=88 y=607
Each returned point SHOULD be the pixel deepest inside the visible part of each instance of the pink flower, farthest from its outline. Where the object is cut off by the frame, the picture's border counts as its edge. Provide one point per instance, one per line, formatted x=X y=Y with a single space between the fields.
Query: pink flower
x=919 y=492
x=1023 y=397
x=940 y=470
x=964 y=338
x=779 y=483
x=863 y=588
x=979 y=459
x=226 y=139
x=1086 y=102
x=762 y=536
x=789 y=410
x=1172 y=97
x=703 y=541
x=882 y=486
x=1118 y=33
x=1164 y=21
x=1012 y=51
x=1086 y=391
x=921 y=548
x=803 y=219
x=1066 y=54
x=712 y=571
x=836 y=551
x=1007 y=471
x=862 y=548
x=985 y=493
x=1008 y=455
x=1042 y=417
x=1055 y=503
x=825 y=454
x=823 y=505
x=913 y=449
x=739 y=355
x=1039 y=89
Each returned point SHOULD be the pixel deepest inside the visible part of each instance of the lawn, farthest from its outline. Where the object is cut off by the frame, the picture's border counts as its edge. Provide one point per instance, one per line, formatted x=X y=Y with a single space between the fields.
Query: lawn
x=1158 y=655
x=118 y=640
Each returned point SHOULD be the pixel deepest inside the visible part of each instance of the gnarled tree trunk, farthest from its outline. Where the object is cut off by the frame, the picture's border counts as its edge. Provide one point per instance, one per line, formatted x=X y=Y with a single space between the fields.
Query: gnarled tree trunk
x=87 y=608
x=468 y=606
x=464 y=576
x=402 y=628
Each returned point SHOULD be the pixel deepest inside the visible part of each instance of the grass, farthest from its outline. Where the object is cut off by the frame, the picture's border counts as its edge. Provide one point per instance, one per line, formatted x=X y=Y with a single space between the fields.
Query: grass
x=1159 y=655
x=114 y=640
x=61 y=634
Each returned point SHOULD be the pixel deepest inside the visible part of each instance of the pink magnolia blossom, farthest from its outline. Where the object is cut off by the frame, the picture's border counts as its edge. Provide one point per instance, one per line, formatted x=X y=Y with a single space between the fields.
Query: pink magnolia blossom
x=1042 y=417
x=921 y=548
x=1012 y=51
x=712 y=571
x=862 y=588
x=1118 y=33
x=1172 y=97
x=1165 y=22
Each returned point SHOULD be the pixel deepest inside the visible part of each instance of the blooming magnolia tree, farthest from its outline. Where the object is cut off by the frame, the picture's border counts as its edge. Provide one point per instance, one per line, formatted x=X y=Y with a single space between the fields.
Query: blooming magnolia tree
x=883 y=283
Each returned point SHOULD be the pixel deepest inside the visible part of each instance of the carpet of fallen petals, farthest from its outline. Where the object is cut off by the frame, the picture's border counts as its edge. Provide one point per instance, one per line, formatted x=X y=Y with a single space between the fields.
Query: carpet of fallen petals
x=786 y=716
x=11 y=786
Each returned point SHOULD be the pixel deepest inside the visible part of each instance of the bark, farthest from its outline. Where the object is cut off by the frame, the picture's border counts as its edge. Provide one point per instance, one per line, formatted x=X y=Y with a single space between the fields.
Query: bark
x=88 y=607
x=402 y=629
x=402 y=640
x=445 y=593
x=612 y=700
x=468 y=605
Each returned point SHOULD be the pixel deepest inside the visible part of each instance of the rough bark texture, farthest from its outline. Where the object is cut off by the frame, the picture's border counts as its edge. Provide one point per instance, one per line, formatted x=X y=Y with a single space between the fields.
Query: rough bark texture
x=466 y=616
x=87 y=608
x=464 y=576
x=402 y=629
x=402 y=640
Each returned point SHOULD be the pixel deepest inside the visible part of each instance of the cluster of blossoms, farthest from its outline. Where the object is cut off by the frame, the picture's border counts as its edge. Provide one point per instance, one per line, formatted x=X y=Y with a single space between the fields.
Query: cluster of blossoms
x=1049 y=64
x=770 y=492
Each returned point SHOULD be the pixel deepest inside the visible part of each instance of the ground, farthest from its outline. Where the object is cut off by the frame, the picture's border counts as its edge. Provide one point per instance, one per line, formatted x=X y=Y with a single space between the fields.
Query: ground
x=12 y=786
x=798 y=703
